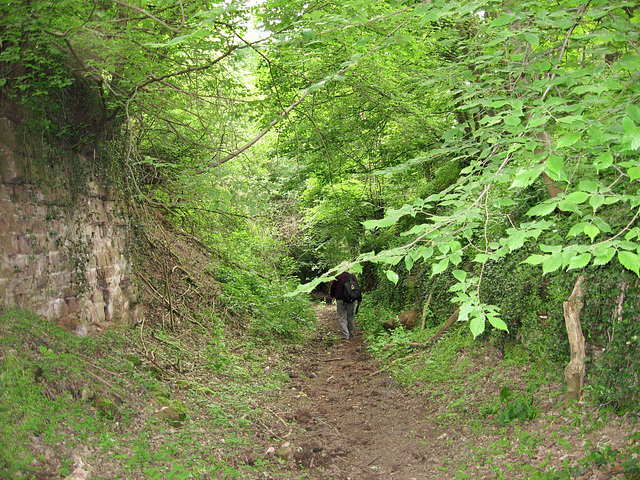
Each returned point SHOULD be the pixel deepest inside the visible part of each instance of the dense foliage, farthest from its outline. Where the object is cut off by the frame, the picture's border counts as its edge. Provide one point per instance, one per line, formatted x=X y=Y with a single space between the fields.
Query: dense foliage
x=479 y=153
x=498 y=139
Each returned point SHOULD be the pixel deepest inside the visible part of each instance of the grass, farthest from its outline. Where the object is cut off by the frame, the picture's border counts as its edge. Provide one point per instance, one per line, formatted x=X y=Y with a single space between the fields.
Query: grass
x=63 y=396
x=60 y=394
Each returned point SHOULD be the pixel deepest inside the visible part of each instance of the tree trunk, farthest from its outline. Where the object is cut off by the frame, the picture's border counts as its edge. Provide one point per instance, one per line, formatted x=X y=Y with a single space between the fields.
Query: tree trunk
x=575 y=370
x=424 y=312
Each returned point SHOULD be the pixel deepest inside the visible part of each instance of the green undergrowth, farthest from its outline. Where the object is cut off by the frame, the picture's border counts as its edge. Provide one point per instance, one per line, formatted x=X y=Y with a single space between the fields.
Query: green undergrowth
x=507 y=402
x=104 y=397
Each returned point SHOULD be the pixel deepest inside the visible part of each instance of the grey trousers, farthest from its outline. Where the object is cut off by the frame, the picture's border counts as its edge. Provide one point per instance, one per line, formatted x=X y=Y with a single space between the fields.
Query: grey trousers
x=345 y=318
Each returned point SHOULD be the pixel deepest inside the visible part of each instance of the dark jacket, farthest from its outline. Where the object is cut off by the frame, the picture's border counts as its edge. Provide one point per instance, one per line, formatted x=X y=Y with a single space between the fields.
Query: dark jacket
x=337 y=287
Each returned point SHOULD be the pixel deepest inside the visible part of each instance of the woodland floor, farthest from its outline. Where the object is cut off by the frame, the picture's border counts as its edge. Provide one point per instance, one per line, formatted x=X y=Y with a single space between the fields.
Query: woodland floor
x=334 y=414
x=351 y=421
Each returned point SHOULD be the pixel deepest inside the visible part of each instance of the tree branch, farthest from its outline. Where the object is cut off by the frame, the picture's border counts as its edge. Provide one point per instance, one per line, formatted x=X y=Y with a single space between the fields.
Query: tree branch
x=144 y=12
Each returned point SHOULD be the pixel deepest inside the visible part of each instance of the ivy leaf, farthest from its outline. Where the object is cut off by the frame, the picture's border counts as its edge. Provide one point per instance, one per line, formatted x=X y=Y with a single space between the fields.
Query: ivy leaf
x=629 y=260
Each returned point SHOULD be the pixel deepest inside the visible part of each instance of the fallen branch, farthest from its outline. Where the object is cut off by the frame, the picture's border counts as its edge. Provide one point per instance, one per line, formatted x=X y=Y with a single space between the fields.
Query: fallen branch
x=452 y=319
x=392 y=363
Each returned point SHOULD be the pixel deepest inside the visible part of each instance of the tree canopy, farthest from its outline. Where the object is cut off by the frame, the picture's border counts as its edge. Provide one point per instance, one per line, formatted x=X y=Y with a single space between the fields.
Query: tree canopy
x=446 y=135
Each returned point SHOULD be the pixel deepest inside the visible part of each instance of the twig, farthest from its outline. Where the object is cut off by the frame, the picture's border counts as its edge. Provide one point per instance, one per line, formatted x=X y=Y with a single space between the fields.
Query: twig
x=332 y=359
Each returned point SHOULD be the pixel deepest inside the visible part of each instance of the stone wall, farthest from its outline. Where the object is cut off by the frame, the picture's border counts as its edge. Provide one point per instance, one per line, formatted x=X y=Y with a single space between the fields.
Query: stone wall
x=62 y=253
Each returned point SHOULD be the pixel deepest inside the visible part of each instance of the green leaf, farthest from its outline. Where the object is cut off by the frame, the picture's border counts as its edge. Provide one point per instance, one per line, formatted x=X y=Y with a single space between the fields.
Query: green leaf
x=393 y=276
x=543 y=209
x=629 y=260
x=426 y=252
x=601 y=224
x=460 y=275
x=551 y=263
x=568 y=139
x=538 y=120
x=535 y=259
x=596 y=201
x=634 y=173
x=588 y=186
x=532 y=38
x=503 y=20
x=527 y=177
x=455 y=246
x=603 y=161
x=512 y=120
x=591 y=231
x=440 y=267
x=579 y=261
x=630 y=63
x=570 y=119
x=602 y=256
x=481 y=258
x=497 y=323
x=576 y=229
x=408 y=262
x=633 y=111
x=555 y=164
x=577 y=197
x=477 y=325
x=516 y=240
x=566 y=206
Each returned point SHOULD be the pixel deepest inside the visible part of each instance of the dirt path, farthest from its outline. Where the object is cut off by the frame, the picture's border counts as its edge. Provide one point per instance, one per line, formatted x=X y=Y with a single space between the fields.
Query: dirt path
x=347 y=420
x=355 y=423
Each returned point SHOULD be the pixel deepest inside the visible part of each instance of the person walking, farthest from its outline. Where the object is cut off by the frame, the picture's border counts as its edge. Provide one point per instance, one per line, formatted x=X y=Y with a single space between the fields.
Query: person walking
x=346 y=290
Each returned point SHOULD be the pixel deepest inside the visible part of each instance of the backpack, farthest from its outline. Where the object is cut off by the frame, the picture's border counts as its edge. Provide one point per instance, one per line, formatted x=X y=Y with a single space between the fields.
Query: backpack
x=351 y=291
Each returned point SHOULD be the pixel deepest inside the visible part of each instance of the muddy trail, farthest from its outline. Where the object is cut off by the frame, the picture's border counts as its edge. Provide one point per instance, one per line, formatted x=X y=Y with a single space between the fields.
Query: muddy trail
x=344 y=418
x=353 y=421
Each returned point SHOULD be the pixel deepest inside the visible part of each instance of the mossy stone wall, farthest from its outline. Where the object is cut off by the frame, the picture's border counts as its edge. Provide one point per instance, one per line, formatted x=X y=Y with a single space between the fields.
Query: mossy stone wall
x=62 y=252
